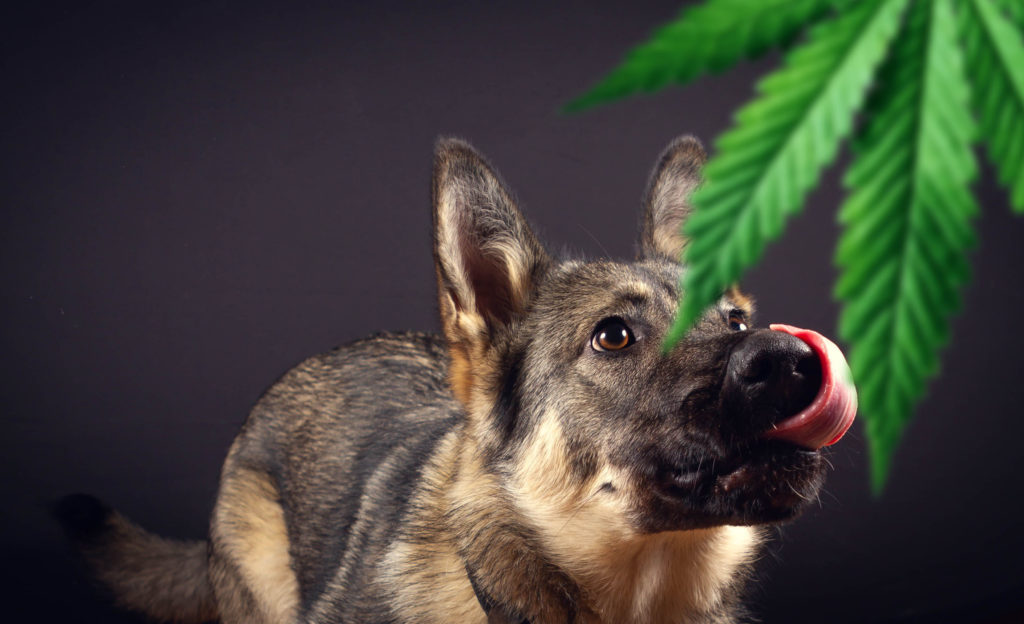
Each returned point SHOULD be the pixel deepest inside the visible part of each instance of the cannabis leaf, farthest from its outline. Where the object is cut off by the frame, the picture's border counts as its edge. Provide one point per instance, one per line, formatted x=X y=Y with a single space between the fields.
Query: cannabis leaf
x=906 y=224
x=994 y=57
x=907 y=216
x=1015 y=8
x=775 y=153
x=707 y=38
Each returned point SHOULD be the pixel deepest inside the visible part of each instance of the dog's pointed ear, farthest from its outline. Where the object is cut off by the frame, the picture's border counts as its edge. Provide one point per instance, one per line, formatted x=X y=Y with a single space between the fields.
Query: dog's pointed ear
x=488 y=260
x=667 y=199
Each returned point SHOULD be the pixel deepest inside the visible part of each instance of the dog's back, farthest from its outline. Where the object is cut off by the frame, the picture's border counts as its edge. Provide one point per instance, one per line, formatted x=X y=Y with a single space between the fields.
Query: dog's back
x=311 y=493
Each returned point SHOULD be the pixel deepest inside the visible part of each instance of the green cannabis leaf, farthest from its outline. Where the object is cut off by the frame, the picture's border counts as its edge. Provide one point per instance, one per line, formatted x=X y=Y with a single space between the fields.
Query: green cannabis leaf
x=907 y=216
x=907 y=224
x=775 y=153
x=994 y=58
x=1015 y=8
x=707 y=38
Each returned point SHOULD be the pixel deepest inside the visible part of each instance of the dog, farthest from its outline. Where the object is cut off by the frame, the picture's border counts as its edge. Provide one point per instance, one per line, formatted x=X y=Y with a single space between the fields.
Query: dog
x=546 y=460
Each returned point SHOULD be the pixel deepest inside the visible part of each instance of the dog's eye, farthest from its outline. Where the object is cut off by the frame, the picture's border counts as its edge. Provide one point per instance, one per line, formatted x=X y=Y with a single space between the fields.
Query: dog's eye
x=612 y=335
x=737 y=320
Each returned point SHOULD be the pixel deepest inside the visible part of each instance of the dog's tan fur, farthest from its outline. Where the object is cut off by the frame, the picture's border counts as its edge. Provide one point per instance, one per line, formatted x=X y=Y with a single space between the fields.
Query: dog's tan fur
x=249 y=526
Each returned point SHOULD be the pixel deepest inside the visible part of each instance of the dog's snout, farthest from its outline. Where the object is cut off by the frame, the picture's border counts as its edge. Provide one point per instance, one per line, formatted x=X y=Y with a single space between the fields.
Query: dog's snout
x=771 y=375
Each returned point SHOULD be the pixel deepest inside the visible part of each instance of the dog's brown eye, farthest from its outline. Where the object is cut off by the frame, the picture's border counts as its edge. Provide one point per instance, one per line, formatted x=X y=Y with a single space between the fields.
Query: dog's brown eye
x=612 y=335
x=737 y=321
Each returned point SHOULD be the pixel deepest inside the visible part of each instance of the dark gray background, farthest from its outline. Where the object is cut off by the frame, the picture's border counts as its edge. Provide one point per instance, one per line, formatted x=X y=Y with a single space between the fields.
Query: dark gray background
x=194 y=198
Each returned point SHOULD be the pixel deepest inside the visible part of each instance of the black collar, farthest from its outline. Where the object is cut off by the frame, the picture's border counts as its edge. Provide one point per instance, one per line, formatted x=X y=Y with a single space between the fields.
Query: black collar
x=496 y=613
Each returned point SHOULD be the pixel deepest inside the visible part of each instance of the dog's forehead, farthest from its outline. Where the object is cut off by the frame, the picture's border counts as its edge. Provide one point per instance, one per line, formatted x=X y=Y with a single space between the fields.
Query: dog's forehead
x=584 y=290
x=607 y=287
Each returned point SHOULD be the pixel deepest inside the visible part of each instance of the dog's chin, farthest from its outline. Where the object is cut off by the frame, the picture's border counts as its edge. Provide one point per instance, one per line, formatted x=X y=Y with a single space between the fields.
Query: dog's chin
x=767 y=482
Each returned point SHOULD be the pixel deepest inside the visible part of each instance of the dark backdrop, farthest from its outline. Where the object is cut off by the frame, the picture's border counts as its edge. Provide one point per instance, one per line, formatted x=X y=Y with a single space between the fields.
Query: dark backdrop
x=194 y=198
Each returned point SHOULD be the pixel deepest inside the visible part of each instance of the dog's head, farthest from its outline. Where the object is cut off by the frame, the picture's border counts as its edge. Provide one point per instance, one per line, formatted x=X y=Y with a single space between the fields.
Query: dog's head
x=572 y=399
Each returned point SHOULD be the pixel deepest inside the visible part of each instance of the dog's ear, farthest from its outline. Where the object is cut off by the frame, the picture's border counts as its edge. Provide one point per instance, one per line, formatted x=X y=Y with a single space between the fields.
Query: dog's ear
x=667 y=199
x=488 y=260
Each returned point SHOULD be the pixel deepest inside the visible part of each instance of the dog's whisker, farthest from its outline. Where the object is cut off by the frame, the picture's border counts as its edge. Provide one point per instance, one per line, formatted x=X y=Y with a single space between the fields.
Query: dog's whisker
x=797 y=492
x=579 y=507
x=594 y=238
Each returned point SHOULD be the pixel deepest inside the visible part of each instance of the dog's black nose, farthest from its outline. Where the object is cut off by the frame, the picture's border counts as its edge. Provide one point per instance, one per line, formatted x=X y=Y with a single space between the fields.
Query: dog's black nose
x=770 y=376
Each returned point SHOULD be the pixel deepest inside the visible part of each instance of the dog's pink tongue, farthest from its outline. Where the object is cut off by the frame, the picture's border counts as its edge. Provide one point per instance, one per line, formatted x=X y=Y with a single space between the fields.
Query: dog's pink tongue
x=831 y=413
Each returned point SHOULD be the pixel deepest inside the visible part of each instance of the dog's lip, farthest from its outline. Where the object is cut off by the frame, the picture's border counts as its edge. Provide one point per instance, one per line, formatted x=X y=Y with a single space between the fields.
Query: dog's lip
x=683 y=479
x=831 y=413
x=728 y=471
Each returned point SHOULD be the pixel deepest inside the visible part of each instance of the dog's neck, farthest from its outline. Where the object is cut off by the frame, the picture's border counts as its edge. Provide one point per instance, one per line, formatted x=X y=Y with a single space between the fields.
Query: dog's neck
x=670 y=578
x=667 y=578
x=624 y=576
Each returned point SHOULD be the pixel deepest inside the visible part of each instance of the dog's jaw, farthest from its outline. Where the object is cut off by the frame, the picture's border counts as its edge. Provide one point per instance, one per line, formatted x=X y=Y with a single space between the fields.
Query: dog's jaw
x=767 y=483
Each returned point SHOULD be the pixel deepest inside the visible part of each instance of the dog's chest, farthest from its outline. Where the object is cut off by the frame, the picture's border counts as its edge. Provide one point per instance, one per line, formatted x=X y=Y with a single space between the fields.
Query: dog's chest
x=673 y=578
